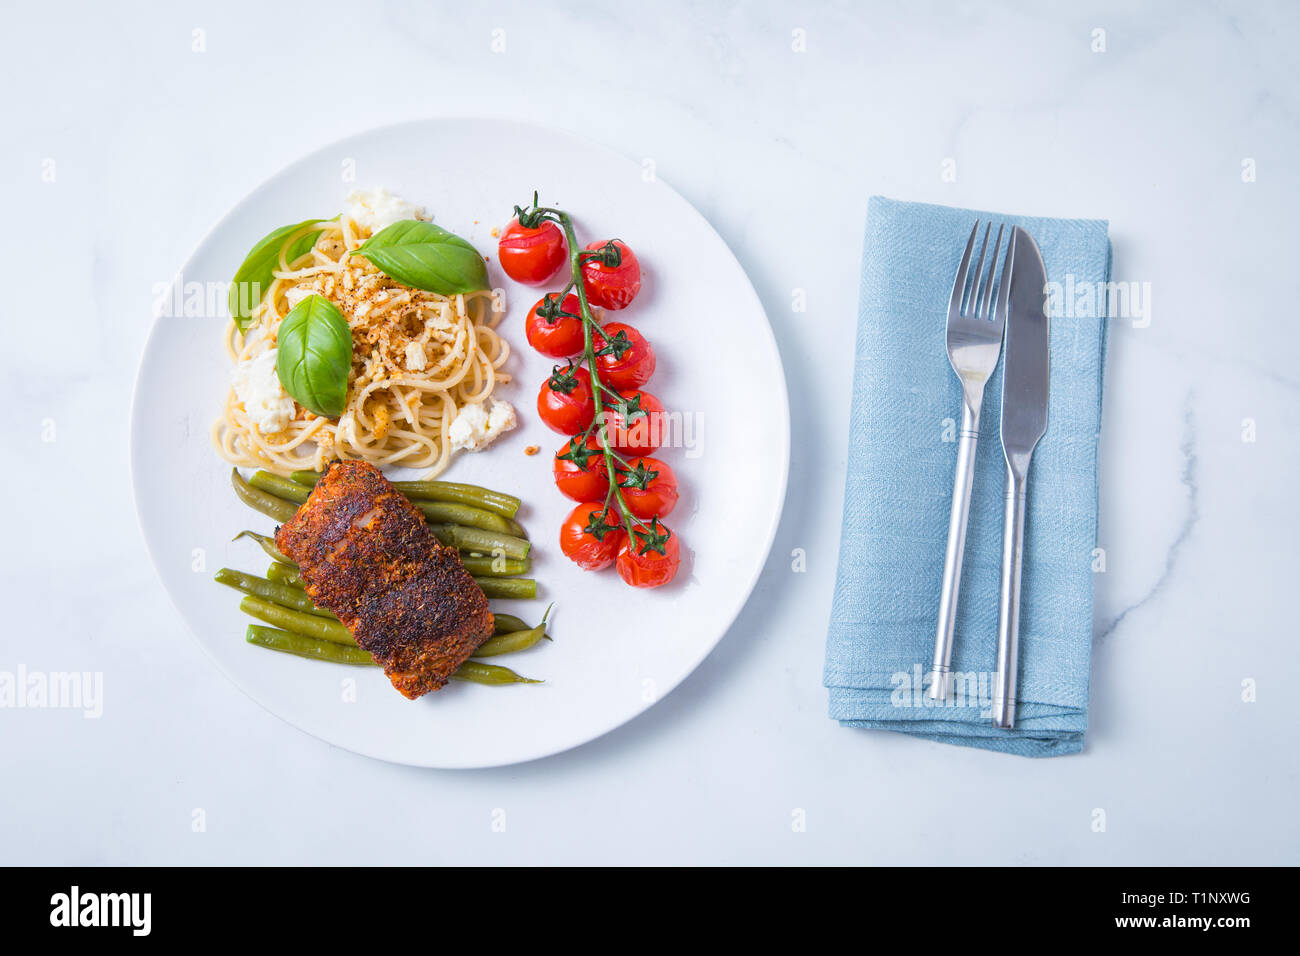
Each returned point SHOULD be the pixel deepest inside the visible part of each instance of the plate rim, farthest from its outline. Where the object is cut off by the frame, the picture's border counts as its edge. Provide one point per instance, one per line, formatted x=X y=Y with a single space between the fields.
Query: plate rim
x=769 y=538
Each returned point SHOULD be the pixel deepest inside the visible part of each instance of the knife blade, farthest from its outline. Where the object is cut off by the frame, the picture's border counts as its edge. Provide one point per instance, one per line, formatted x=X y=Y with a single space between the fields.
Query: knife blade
x=1027 y=364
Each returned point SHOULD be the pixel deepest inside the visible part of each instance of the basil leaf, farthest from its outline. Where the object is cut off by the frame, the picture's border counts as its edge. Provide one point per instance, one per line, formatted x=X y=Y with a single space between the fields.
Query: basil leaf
x=315 y=356
x=255 y=275
x=425 y=256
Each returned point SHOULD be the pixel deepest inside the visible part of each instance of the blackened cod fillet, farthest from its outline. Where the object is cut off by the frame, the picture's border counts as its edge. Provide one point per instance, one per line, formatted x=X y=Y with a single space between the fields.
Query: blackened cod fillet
x=365 y=553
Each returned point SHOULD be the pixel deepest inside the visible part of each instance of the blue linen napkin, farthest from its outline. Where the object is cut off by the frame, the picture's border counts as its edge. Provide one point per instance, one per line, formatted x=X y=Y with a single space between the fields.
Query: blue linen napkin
x=902 y=452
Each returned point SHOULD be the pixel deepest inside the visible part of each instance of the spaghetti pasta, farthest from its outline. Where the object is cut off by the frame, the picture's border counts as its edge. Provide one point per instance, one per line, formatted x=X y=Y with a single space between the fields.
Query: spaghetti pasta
x=417 y=359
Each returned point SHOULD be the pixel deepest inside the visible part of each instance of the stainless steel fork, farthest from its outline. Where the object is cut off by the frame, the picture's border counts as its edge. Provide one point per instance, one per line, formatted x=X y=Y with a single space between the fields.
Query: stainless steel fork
x=975 y=324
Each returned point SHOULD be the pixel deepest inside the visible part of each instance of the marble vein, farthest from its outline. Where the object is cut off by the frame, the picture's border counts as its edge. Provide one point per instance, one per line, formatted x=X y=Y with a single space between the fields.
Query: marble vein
x=1190 y=519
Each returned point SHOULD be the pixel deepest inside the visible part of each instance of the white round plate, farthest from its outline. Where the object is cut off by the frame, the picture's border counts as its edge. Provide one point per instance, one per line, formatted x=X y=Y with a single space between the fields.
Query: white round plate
x=616 y=649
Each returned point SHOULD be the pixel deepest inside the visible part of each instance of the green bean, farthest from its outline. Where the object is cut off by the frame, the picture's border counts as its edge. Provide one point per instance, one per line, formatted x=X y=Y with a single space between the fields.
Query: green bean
x=280 y=487
x=513 y=641
x=508 y=643
x=508 y=624
x=489 y=674
x=477 y=527
x=443 y=502
x=497 y=502
x=494 y=584
x=278 y=508
x=268 y=545
x=487 y=567
x=319 y=650
x=276 y=593
x=282 y=573
x=308 y=625
x=467 y=516
x=302 y=646
x=480 y=541
x=522 y=588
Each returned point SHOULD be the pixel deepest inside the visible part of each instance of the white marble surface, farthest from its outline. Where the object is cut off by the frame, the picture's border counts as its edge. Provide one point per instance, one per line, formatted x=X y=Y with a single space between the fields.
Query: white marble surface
x=152 y=141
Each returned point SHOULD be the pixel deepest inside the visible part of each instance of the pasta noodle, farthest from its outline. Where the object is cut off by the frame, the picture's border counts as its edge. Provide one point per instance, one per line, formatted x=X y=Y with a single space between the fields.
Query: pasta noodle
x=417 y=359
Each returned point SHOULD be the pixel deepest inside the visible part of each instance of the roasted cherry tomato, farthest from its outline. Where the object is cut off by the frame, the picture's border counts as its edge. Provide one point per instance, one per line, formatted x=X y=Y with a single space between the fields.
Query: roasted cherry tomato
x=650 y=557
x=637 y=424
x=649 y=487
x=612 y=278
x=552 y=333
x=531 y=254
x=580 y=471
x=565 y=403
x=623 y=357
x=591 y=536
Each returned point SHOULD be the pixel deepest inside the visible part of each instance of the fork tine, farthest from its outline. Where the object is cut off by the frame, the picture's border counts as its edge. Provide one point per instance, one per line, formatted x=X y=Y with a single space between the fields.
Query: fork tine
x=970 y=301
x=959 y=284
x=984 y=304
x=1004 y=283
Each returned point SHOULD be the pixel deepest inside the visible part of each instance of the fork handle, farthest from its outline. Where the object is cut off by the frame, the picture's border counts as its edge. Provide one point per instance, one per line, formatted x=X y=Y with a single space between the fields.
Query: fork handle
x=961 y=486
x=1013 y=553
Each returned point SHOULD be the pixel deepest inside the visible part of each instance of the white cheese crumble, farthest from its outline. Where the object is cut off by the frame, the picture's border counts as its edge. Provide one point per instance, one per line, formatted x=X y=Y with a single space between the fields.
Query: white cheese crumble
x=377 y=208
x=475 y=427
x=415 y=357
x=253 y=336
x=296 y=294
x=258 y=388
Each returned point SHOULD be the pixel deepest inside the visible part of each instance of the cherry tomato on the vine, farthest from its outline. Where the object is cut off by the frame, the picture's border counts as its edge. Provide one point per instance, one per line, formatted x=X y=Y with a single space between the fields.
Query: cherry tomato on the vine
x=649 y=558
x=580 y=470
x=551 y=333
x=531 y=254
x=623 y=356
x=564 y=402
x=612 y=278
x=649 y=487
x=636 y=423
x=592 y=535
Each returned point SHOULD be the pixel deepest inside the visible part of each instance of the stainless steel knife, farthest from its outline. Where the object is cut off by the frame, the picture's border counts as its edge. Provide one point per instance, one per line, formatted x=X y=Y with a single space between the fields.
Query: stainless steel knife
x=1026 y=370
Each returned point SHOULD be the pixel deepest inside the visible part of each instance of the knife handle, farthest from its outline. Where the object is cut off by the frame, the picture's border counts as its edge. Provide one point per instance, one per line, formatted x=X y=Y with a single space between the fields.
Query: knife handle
x=1013 y=553
x=961 y=486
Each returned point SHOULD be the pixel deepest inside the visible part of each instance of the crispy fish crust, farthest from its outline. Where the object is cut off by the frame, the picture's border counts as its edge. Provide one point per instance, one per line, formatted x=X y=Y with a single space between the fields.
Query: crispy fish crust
x=365 y=553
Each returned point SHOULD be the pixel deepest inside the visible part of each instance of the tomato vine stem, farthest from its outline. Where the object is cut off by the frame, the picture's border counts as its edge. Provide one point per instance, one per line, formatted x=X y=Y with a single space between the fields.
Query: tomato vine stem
x=576 y=256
